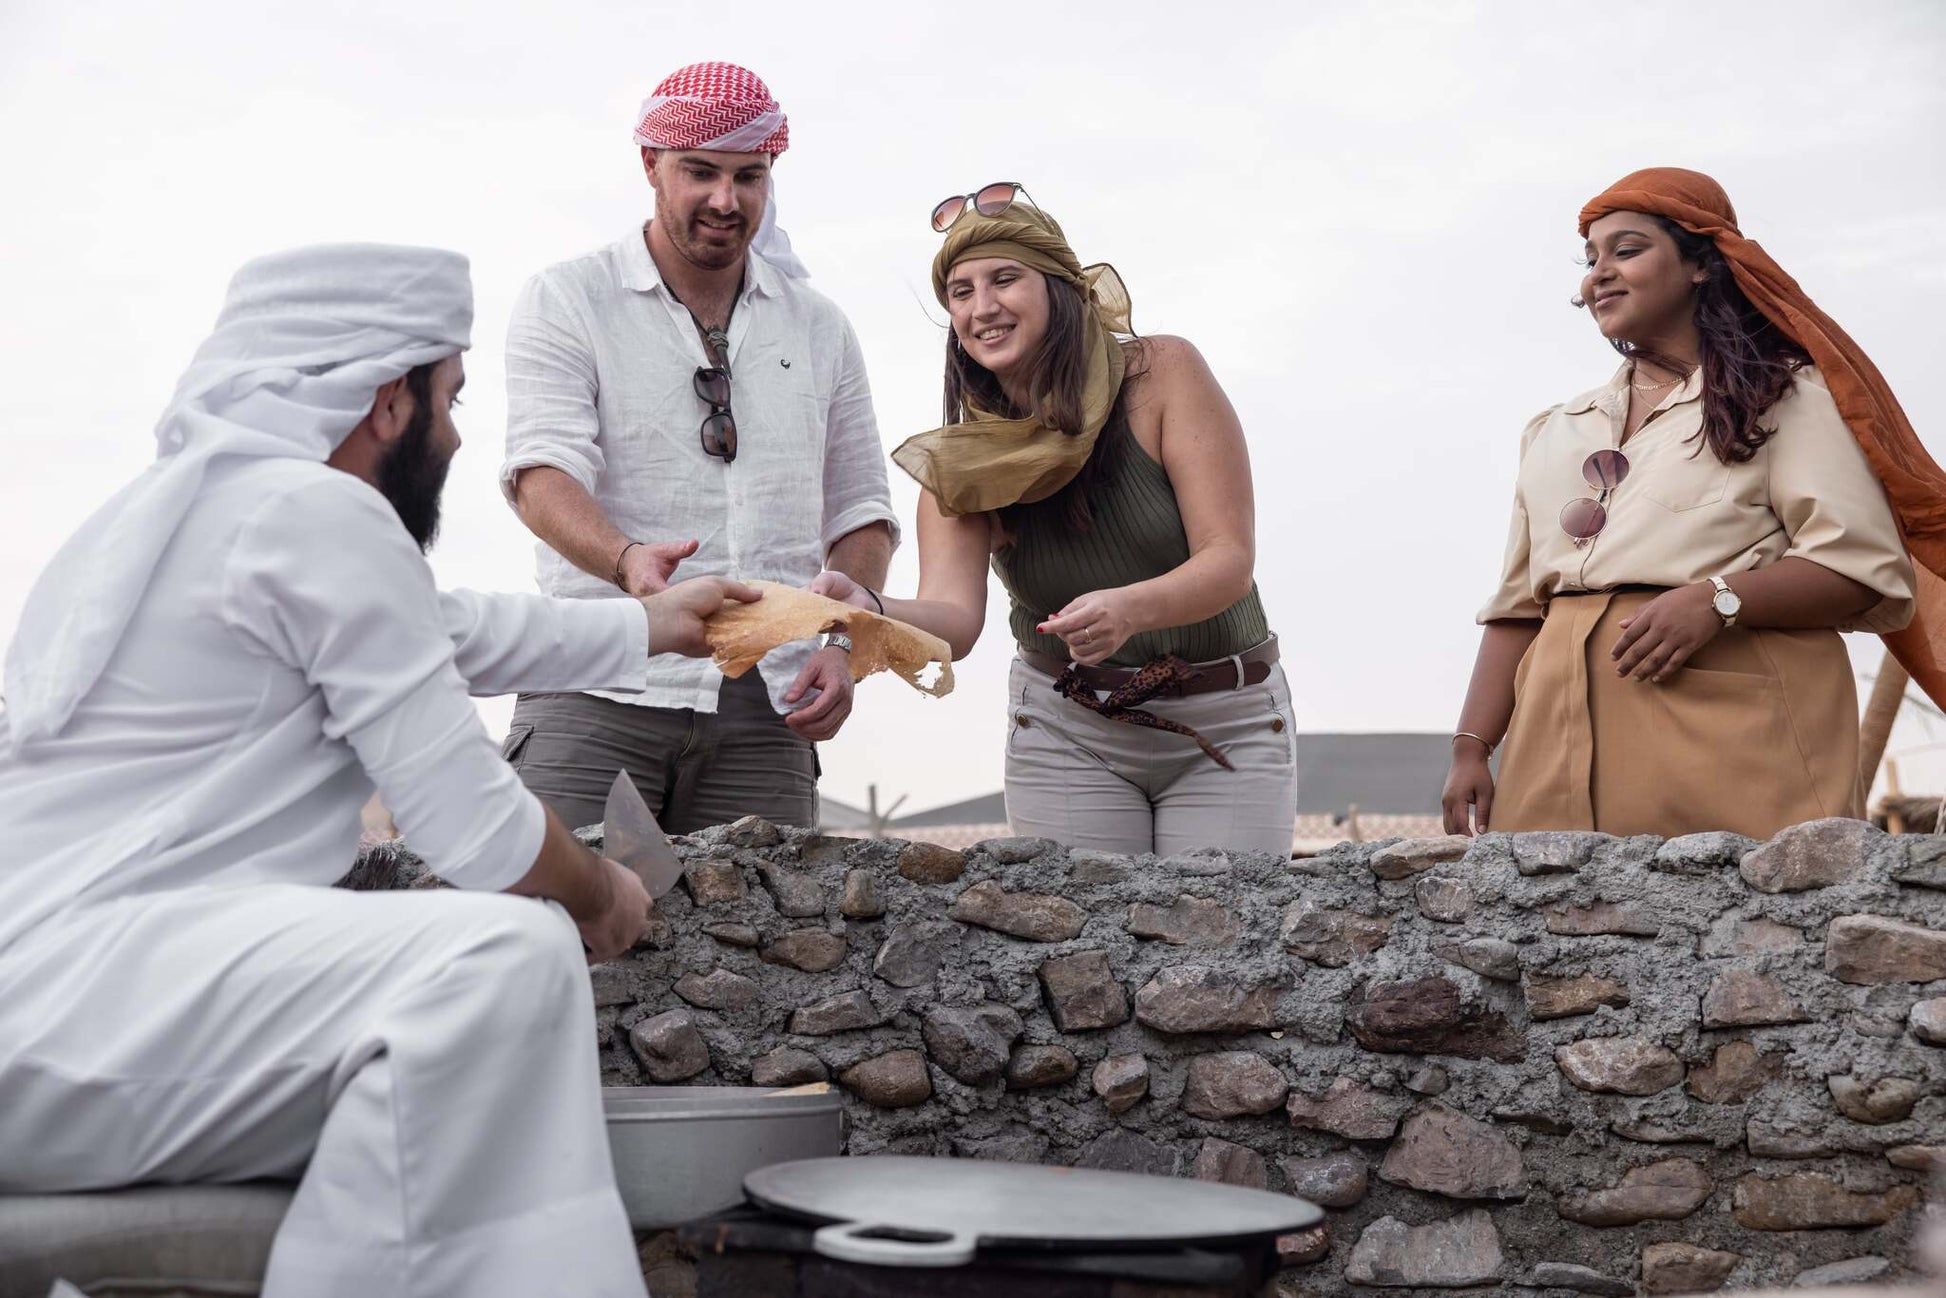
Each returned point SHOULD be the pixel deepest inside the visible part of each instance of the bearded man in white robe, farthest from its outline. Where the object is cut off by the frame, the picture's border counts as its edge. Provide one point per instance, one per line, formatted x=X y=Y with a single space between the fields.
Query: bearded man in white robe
x=209 y=680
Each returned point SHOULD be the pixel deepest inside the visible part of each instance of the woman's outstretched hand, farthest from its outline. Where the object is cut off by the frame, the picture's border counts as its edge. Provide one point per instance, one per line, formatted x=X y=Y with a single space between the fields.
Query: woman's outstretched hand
x=1094 y=625
x=835 y=585
x=1469 y=786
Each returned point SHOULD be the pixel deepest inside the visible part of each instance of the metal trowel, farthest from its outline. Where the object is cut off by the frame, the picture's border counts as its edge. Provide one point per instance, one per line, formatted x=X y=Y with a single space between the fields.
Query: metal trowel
x=630 y=834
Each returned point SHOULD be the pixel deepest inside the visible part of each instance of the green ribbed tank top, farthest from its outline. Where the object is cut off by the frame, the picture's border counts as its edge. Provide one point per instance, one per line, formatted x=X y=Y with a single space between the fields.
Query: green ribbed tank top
x=1137 y=534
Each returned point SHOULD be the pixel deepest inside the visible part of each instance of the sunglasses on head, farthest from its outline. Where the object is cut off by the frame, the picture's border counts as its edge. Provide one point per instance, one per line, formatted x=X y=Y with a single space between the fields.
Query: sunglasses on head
x=987 y=200
x=1583 y=518
x=712 y=384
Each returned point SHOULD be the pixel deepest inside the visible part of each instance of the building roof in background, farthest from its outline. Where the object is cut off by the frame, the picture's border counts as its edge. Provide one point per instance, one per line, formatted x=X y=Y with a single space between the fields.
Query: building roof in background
x=1387 y=774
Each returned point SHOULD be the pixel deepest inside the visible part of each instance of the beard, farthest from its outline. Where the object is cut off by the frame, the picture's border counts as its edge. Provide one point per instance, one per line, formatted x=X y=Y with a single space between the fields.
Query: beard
x=413 y=476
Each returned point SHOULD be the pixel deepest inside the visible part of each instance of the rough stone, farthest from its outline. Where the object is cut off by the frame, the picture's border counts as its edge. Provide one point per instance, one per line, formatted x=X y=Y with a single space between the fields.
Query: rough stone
x=1870 y=949
x=1925 y=863
x=669 y=1047
x=1333 y=938
x=1430 y=1080
x=1489 y=957
x=1684 y=1268
x=912 y=953
x=1816 y=854
x=1017 y=851
x=1853 y=1270
x=1447 y=900
x=1040 y=1065
x=1014 y=1145
x=1917 y=1158
x=811 y=949
x=1122 y=1150
x=721 y=989
x=1197 y=998
x=1733 y=935
x=786 y=1066
x=715 y=883
x=1443 y=1152
x=1666 y=1191
x=1557 y=852
x=1624 y=918
x=1088 y=866
x=861 y=899
x=1121 y=1081
x=1425 y=1016
x=1188 y=921
x=1657 y=1133
x=1806 y=1201
x=931 y=863
x=1349 y=1109
x=1739 y=998
x=1413 y=856
x=843 y=1013
x=896 y=1079
x=1456 y=1253
x=1332 y=1181
x=1735 y=1072
x=612 y=985
x=1303 y=1247
x=1035 y=916
x=752 y=831
x=1232 y=1083
x=734 y=934
x=796 y=895
x=1927 y=1021
x=1082 y=993
x=1581 y=1279
x=1711 y=853
x=1619 y=1065
x=1876 y=1101
x=972 y=1042
x=1769 y=1140
x=1229 y=1164
x=1562 y=998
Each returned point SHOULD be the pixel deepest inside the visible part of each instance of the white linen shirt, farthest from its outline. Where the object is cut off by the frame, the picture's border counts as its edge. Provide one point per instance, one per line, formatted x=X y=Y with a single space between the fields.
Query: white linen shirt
x=601 y=359
x=290 y=654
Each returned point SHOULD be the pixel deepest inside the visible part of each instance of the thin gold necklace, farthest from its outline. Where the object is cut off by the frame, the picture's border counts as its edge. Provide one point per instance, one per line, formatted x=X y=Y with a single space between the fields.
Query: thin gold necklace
x=1654 y=387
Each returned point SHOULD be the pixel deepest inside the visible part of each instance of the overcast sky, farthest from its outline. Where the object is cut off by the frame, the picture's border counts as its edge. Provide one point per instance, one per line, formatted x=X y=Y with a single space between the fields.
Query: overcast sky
x=1362 y=214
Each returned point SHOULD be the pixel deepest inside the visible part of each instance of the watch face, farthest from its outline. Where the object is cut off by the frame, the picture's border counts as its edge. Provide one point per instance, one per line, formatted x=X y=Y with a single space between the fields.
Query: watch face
x=1726 y=602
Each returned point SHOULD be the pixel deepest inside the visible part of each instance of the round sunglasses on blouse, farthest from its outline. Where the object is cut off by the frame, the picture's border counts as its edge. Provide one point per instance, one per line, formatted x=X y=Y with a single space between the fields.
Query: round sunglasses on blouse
x=1583 y=517
x=987 y=200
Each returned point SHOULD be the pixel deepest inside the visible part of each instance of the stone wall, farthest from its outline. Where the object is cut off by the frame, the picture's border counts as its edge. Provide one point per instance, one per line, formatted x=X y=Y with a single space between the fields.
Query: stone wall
x=1565 y=1061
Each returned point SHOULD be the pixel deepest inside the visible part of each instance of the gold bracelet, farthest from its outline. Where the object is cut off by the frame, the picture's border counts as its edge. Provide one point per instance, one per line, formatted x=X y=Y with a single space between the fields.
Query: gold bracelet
x=1468 y=734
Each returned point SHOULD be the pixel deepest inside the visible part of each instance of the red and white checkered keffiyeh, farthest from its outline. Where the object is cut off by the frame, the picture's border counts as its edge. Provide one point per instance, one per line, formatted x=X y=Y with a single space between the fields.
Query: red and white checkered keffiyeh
x=722 y=107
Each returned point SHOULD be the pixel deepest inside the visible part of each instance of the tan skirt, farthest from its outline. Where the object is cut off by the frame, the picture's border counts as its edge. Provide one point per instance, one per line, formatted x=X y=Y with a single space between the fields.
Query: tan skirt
x=1757 y=731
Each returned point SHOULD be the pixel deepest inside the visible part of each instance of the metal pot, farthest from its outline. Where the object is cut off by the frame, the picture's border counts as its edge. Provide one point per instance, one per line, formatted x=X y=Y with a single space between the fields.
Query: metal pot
x=682 y=1152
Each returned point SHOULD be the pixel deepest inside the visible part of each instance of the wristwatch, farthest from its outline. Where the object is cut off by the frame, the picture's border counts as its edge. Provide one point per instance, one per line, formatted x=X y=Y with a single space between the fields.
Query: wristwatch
x=837 y=640
x=1725 y=601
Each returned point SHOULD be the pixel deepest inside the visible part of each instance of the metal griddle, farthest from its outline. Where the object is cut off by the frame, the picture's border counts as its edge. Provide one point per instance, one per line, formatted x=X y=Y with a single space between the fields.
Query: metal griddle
x=898 y=1211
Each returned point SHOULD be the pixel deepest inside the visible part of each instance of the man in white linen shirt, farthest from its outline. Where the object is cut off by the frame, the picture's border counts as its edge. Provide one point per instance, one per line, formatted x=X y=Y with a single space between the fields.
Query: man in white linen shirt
x=683 y=397
x=207 y=683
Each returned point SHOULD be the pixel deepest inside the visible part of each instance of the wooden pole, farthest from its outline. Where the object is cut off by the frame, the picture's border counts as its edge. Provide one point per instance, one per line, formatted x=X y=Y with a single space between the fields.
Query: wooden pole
x=1875 y=728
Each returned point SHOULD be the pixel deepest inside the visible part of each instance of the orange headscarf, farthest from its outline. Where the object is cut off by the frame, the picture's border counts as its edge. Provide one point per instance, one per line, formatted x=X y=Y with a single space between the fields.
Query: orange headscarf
x=1914 y=484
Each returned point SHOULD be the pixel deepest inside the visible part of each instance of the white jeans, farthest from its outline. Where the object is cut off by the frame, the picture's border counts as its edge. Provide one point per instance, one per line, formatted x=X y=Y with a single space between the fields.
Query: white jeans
x=425 y=1059
x=1078 y=778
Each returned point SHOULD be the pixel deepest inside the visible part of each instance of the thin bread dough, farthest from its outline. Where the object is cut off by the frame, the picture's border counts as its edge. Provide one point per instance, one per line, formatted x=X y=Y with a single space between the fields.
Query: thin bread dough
x=740 y=634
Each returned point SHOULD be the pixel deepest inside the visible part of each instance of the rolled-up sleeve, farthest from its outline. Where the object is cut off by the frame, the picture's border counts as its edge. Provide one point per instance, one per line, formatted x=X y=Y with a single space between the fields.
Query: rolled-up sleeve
x=551 y=389
x=360 y=618
x=1833 y=507
x=855 y=489
x=1515 y=597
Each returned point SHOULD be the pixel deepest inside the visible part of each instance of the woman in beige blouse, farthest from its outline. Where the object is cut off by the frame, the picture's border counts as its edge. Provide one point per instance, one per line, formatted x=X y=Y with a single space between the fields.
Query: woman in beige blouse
x=1662 y=656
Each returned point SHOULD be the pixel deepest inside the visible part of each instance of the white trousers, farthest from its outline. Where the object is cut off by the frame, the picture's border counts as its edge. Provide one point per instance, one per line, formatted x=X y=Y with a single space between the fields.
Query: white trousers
x=426 y=1060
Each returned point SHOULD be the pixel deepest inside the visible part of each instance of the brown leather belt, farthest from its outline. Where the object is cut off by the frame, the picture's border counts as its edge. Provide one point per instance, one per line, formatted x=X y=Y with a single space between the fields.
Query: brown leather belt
x=1247 y=668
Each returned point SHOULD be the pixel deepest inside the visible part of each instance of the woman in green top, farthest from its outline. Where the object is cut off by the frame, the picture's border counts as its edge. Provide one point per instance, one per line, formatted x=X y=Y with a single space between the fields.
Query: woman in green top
x=1106 y=481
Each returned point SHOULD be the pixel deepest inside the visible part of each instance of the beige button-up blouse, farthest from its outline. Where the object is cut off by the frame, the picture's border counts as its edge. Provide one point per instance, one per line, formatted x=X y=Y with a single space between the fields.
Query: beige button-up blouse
x=1684 y=516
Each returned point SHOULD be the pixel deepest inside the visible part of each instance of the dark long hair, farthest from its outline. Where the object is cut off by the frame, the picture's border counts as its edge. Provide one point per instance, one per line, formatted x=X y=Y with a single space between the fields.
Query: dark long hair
x=1059 y=366
x=1748 y=362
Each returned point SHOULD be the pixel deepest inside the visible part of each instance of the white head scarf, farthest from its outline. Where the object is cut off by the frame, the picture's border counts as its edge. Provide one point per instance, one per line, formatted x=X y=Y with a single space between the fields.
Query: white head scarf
x=303 y=343
x=728 y=109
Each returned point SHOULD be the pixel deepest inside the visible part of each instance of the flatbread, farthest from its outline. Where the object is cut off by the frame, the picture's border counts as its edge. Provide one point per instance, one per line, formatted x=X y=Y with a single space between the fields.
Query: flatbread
x=740 y=634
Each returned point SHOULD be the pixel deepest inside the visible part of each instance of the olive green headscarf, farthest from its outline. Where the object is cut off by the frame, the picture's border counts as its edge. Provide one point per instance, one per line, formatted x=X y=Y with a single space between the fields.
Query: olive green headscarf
x=992 y=461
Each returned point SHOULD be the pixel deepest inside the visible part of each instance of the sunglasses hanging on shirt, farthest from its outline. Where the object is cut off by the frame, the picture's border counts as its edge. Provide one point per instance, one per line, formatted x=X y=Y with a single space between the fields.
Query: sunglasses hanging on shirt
x=712 y=384
x=1583 y=518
